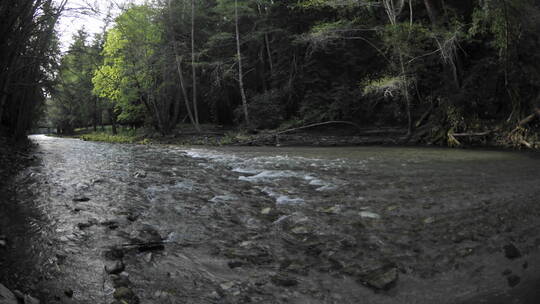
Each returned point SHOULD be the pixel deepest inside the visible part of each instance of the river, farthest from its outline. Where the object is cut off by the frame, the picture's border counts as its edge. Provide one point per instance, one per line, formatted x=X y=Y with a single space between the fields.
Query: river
x=271 y=225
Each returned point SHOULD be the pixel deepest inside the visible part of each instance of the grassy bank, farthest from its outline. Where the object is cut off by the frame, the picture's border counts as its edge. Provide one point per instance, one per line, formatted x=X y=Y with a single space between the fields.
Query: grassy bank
x=213 y=135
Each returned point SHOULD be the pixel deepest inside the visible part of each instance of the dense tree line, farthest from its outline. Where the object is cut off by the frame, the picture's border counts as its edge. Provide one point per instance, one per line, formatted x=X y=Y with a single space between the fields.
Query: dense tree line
x=28 y=54
x=434 y=67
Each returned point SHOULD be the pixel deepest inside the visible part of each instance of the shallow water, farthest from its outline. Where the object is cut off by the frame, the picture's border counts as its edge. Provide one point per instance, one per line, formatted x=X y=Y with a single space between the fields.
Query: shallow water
x=331 y=214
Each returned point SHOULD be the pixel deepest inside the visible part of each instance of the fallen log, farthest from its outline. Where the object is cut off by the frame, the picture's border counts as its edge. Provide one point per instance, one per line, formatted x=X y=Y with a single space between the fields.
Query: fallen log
x=276 y=134
x=319 y=124
x=525 y=121
x=471 y=134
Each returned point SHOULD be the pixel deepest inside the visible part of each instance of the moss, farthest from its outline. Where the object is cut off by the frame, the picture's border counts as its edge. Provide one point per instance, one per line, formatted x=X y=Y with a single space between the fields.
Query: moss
x=105 y=137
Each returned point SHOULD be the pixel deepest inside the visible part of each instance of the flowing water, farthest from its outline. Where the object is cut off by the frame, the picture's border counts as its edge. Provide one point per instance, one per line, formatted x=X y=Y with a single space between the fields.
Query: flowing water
x=272 y=225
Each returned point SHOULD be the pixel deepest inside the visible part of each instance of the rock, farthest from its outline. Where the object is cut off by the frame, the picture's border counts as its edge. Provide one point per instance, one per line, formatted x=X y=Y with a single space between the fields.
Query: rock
x=83 y=226
x=300 y=230
x=140 y=174
x=19 y=295
x=513 y=280
x=6 y=296
x=235 y=264
x=227 y=285
x=383 y=278
x=266 y=211
x=506 y=272
x=132 y=217
x=115 y=268
x=125 y=295
x=148 y=234
x=429 y=220
x=79 y=199
x=120 y=281
x=111 y=224
x=161 y=294
x=369 y=214
x=332 y=210
x=3 y=243
x=511 y=252
x=283 y=280
x=68 y=293
x=30 y=300
x=148 y=257
x=114 y=253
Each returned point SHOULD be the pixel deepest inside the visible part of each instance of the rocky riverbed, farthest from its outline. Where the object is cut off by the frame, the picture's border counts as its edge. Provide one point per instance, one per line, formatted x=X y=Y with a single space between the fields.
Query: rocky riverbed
x=95 y=222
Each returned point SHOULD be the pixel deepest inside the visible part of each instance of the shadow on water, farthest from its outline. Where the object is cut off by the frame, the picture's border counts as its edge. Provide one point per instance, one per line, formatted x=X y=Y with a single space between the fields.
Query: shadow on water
x=23 y=227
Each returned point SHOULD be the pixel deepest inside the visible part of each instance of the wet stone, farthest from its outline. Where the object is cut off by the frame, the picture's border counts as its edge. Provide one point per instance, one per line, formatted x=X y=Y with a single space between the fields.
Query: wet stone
x=140 y=174
x=80 y=199
x=115 y=267
x=83 y=226
x=513 y=280
x=511 y=252
x=68 y=293
x=119 y=281
x=235 y=264
x=111 y=224
x=30 y=300
x=125 y=295
x=284 y=280
x=132 y=217
x=114 y=253
x=383 y=278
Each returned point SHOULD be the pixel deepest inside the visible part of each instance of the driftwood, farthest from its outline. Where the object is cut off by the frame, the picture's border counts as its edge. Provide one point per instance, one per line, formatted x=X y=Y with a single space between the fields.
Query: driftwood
x=276 y=134
x=425 y=116
x=471 y=134
x=525 y=121
x=317 y=125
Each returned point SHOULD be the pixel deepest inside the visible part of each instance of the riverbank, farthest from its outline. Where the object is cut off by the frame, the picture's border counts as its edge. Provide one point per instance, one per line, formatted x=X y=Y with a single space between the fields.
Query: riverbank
x=321 y=136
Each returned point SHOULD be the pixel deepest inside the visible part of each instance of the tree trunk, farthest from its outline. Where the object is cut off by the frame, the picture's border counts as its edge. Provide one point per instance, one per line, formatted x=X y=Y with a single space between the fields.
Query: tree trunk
x=240 y=72
x=178 y=60
x=433 y=8
x=193 y=68
x=94 y=122
x=112 y=117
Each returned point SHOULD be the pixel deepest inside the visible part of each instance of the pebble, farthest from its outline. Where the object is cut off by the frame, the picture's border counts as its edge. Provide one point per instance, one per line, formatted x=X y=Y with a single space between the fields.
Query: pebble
x=115 y=268
x=283 y=280
x=369 y=214
x=68 y=293
x=120 y=281
x=513 y=280
x=81 y=199
x=125 y=295
x=511 y=252
x=266 y=211
x=30 y=300
x=383 y=278
x=235 y=264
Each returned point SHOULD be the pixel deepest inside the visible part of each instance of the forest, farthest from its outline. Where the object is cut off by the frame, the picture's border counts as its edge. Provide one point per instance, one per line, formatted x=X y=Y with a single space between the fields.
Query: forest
x=444 y=71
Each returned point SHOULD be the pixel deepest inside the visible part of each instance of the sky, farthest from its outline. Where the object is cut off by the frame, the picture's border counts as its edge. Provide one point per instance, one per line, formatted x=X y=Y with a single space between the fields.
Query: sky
x=89 y=14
